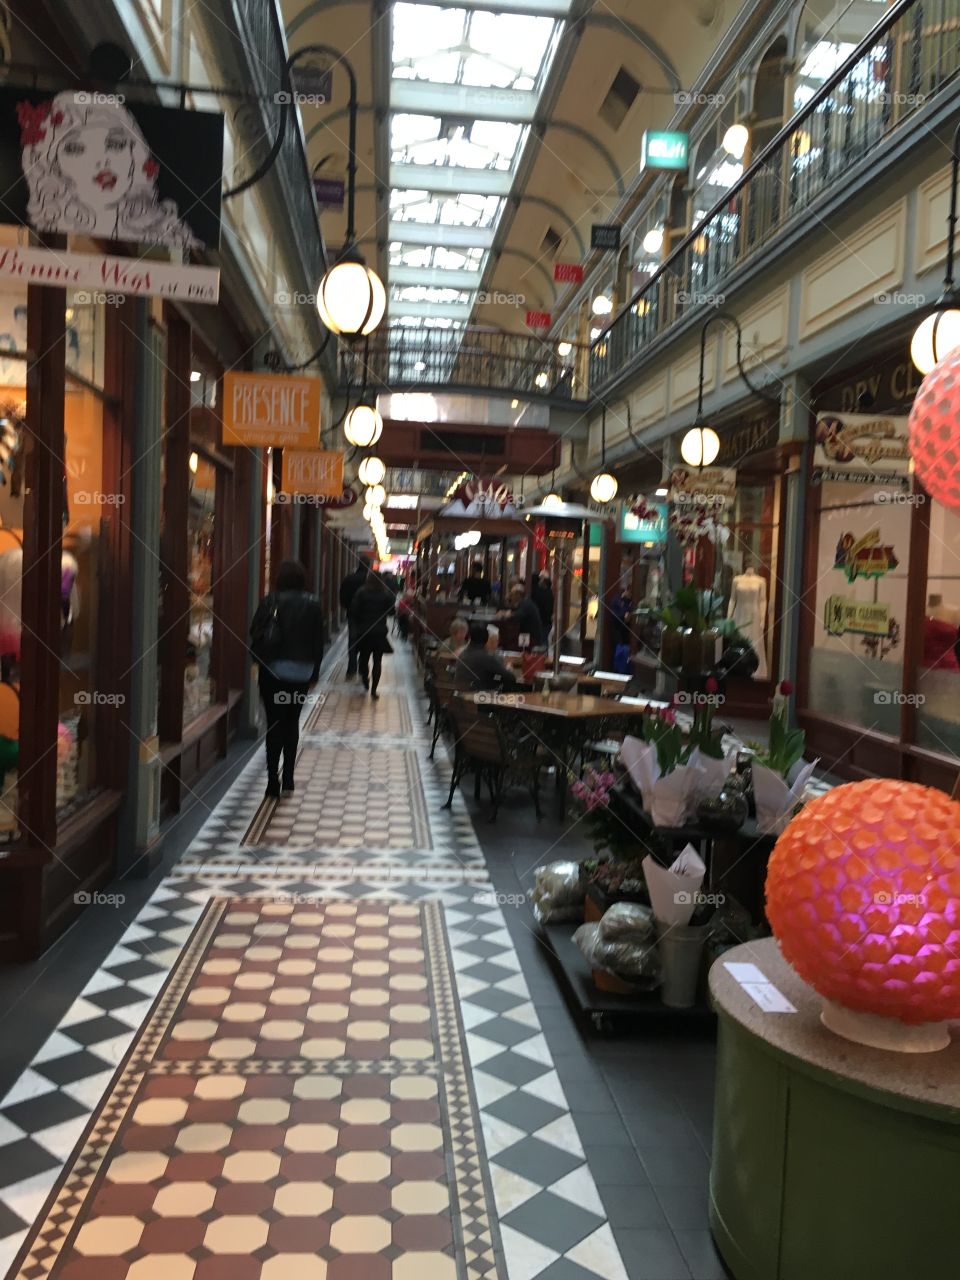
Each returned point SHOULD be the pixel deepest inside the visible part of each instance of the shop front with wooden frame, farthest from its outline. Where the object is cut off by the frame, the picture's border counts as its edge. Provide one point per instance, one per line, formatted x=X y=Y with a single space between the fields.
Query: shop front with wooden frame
x=879 y=671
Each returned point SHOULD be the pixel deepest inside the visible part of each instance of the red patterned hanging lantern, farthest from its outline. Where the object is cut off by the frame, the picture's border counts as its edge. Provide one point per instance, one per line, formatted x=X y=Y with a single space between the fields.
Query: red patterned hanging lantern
x=935 y=431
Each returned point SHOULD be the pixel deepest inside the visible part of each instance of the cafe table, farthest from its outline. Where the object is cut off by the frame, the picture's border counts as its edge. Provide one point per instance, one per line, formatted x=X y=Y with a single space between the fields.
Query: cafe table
x=563 y=723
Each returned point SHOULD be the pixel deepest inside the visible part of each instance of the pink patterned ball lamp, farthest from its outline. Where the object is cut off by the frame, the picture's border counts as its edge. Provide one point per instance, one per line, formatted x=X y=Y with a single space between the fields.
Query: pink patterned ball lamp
x=863 y=894
x=935 y=431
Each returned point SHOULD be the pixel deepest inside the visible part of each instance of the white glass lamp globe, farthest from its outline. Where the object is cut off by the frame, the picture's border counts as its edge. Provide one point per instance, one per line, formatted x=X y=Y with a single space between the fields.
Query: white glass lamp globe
x=653 y=240
x=564 y=349
x=700 y=446
x=552 y=500
x=376 y=496
x=363 y=426
x=372 y=470
x=935 y=335
x=351 y=299
x=368 y=512
x=602 y=306
x=603 y=488
x=735 y=141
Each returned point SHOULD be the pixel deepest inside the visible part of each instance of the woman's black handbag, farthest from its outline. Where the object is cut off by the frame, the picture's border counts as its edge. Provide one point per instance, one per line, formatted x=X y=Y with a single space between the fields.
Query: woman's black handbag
x=266 y=638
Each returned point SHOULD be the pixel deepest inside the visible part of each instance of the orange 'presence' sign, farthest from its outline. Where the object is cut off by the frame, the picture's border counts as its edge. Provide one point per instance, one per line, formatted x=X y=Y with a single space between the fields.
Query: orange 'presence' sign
x=314 y=471
x=261 y=409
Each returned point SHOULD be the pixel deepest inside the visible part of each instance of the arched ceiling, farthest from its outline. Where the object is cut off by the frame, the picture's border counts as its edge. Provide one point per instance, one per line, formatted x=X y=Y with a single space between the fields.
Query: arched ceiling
x=487 y=146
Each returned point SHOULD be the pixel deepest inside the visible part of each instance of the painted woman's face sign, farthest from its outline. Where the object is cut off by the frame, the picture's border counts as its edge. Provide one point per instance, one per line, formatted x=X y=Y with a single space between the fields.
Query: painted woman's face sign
x=99 y=163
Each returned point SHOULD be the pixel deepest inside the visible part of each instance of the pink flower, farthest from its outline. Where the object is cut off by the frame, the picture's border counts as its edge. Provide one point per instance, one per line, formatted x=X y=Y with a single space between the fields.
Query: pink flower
x=670 y=716
x=786 y=687
x=711 y=685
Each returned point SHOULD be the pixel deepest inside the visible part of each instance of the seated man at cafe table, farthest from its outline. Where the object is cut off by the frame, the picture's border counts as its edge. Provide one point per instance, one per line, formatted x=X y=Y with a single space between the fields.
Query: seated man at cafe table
x=481 y=668
x=524 y=612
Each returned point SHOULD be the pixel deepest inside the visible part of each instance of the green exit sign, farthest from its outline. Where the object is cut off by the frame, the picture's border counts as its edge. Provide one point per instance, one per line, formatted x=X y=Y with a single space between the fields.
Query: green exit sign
x=664 y=150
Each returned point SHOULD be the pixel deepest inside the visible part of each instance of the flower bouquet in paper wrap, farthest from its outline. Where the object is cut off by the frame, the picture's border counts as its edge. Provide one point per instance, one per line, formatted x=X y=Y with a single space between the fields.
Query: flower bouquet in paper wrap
x=780 y=775
x=659 y=767
x=714 y=765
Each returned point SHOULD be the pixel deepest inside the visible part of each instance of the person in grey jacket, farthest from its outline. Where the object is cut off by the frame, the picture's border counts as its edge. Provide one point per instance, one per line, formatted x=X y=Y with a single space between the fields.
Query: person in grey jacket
x=287 y=643
x=478 y=667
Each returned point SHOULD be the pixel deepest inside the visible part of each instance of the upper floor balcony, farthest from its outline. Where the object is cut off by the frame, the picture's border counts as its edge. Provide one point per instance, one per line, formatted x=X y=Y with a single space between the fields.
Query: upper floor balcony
x=817 y=158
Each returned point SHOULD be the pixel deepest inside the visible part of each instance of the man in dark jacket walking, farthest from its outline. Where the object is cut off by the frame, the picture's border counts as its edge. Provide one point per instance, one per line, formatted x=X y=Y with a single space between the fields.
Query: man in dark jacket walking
x=369 y=611
x=348 y=589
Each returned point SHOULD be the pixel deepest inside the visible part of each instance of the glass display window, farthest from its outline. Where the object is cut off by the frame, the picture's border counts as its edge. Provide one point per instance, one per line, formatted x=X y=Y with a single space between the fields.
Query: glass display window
x=856 y=659
x=938 y=671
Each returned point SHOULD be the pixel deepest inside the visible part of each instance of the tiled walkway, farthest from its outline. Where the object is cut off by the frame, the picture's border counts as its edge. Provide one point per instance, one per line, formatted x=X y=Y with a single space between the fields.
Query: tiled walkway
x=313 y=1057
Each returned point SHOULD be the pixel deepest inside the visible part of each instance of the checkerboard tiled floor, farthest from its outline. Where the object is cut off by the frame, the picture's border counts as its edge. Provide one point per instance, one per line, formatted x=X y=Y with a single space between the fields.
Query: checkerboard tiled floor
x=525 y=1171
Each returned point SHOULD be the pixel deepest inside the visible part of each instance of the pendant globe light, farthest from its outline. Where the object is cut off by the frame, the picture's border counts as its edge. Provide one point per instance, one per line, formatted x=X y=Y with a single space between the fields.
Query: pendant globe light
x=363 y=425
x=372 y=470
x=700 y=446
x=939 y=332
x=351 y=298
x=376 y=496
x=603 y=487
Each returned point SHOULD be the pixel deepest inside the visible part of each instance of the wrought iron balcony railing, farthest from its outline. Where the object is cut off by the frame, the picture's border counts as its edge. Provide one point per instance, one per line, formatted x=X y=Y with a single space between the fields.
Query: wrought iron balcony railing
x=907 y=57
x=473 y=359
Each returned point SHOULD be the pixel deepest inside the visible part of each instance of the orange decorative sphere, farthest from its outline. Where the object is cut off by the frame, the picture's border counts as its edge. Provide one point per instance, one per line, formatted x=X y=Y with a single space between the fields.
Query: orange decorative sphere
x=935 y=431
x=863 y=893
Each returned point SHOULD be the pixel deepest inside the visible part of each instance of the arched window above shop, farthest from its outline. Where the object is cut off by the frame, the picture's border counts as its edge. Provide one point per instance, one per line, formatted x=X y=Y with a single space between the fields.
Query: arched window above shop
x=714 y=170
x=829 y=31
x=768 y=96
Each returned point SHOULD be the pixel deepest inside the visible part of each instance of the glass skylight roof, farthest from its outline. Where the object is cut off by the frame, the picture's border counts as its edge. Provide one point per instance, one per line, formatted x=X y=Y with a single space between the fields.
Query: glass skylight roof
x=438 y=52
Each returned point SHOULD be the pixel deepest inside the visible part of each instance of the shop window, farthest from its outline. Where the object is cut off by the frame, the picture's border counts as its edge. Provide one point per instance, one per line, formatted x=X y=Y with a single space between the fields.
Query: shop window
x=938 y=674
x=856 y=660
x=198 y=684
x=89 y=507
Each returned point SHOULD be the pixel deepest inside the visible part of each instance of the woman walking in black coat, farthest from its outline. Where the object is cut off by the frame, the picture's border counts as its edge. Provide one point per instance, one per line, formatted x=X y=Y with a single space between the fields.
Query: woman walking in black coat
x=369 y=610
x=286 y=639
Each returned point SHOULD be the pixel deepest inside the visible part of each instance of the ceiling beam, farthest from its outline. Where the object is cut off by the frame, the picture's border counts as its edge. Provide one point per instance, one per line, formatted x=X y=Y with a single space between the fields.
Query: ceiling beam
x=451 y=179
x=513 y=106
x=438 y=276
x=529 y=8
x=430 y=310
x=437 y=233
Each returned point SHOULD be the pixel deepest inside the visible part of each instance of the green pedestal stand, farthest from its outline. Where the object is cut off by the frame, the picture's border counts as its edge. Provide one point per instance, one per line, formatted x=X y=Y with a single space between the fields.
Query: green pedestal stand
x=830 y=1159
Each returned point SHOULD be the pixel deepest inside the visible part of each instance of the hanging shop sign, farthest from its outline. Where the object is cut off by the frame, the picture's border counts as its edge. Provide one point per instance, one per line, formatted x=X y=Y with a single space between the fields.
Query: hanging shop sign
x=651 y=527
x=107 y=277
x=539 y=319
x=93 y=164
x=864 y=557
x=318 y=472
x=741 y=441
x=271 y=409
x=857 y=617
x=568 y=273
x=664 y=149
x=703 y=486
x=486 y=497
x=604 y=236
x=861 y=448
x=888 y=385
x=330 y=192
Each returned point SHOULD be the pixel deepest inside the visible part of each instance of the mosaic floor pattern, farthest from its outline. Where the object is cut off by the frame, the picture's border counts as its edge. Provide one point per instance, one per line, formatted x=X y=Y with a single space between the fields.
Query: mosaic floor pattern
x=296 y=1107
x=231 y=1097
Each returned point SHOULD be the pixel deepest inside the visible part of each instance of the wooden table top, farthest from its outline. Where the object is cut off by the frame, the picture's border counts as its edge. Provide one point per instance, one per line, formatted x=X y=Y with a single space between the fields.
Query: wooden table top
x=567 y=706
